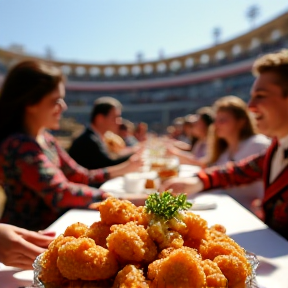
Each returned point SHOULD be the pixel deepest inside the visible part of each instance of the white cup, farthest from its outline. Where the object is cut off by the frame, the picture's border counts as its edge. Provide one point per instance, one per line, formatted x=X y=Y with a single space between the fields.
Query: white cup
x=134 y=183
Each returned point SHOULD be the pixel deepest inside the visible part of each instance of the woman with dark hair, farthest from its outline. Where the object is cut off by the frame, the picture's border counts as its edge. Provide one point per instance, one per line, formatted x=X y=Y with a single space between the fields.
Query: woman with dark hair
x=40 y=179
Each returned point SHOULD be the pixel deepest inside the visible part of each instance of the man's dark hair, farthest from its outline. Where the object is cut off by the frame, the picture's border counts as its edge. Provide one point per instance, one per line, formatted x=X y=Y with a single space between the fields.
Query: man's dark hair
x=103 y=105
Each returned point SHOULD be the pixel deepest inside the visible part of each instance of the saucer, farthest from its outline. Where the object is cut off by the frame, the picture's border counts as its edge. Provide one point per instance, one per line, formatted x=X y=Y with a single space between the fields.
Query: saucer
x=25 y=275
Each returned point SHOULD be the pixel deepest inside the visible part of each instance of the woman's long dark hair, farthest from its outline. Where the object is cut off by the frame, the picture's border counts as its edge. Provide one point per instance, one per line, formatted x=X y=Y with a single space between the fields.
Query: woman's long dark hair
x=25 y=84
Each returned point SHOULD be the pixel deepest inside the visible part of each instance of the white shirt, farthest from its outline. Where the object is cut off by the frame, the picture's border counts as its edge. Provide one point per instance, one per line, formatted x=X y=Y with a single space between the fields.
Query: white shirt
x=278 y=162
x=253 y=145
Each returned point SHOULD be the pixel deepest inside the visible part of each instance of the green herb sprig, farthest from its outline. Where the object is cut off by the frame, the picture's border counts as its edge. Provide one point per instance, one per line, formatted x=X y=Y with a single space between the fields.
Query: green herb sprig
x=165 y=205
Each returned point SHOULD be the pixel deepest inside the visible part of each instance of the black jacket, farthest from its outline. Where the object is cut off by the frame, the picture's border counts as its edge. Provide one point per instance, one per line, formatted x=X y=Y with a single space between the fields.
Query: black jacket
x=89 y=151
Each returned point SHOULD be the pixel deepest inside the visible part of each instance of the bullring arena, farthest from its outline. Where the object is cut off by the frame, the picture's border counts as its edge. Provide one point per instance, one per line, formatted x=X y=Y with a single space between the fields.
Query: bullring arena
x=159 y=91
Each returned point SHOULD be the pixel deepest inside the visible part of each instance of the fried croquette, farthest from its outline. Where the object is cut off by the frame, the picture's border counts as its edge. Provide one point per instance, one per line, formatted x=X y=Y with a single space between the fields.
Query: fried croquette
x=178 y=225
x=192 y=243
x=131 y=242
x=214 y=276
x=165 y=238
x=83 y=259
x=219 y=228
x=76 y=230
x=217 y=236
x=165 y=252
x=98 y=231
x=50 y=272
x=196 y=226
x=130 y=277
x=210 y=250
x=143 y=218
x=234 y=270
x=182 y=268
x=115 y=211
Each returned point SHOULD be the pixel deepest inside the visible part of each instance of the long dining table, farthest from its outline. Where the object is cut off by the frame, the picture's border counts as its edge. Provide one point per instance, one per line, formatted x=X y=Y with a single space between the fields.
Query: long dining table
x=245 y=228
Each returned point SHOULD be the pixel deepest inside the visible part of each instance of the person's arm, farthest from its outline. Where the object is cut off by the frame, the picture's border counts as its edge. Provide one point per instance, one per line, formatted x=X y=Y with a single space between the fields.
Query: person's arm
x=19 y=247
x=79 y=174
x=232 y=174
x=185 y=157
x=243 y=172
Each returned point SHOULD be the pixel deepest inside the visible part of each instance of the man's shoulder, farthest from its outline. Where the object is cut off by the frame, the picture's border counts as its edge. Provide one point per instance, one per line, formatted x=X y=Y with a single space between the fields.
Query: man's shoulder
x=85 y=139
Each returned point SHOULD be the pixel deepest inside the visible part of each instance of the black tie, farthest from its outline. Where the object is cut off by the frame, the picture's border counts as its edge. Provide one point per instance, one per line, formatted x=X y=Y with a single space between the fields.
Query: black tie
x=286 y=154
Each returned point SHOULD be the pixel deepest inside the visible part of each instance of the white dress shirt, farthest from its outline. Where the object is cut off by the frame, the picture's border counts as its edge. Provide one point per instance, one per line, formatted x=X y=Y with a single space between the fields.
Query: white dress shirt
x=253 y=145
x=278 y=162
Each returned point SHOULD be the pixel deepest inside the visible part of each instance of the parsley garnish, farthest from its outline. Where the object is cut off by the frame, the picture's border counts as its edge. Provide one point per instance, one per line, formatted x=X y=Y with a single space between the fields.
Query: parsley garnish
x=165 y=205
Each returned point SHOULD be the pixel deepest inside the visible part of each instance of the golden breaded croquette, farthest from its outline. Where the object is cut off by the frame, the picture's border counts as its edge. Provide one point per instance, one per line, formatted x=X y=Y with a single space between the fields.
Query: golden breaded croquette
x=157 y=230
x=76 y=230
x=214 y=276
x=143 y=218
x=210 y=250
x=115 y=211
x=234 y=270
x=172 y=239
x=193 y=243
x=219 y=228
x=83 y=259
x=160 y=233
x=50 y=272
x=196 y=226
x=177 y=225
x=131 y=242
x=165 y=252
x=182 y=268
x=217 y=236
x=130 y=277
x=98 y=231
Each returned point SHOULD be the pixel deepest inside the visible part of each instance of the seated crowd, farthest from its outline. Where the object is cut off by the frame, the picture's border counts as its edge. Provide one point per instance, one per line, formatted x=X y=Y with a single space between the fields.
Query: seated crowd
x=42 y=181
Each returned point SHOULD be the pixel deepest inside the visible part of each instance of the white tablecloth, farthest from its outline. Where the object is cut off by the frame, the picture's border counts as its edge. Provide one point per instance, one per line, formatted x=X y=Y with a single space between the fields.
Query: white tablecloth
x=241 y=225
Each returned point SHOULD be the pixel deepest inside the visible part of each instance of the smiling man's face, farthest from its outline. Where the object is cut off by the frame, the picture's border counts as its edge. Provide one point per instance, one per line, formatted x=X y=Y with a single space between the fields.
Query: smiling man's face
x=269 y=105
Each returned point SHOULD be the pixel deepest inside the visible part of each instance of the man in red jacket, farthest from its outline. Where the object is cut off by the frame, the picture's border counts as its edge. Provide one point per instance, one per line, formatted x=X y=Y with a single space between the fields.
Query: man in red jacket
x=269 y=103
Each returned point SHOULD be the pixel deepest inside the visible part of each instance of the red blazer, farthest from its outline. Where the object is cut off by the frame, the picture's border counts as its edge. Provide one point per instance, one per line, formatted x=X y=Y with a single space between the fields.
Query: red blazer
x=275 y=202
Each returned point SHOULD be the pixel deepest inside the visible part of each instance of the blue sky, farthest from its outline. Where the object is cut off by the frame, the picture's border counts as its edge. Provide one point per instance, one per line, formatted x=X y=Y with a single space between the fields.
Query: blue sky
x=114 y=31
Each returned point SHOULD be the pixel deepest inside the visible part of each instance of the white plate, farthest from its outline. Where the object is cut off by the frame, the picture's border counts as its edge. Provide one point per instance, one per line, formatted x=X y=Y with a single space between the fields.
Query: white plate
x=25 y=275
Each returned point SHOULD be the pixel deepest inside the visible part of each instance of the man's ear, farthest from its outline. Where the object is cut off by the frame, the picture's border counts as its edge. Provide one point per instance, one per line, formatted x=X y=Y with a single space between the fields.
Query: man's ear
x=98 y=119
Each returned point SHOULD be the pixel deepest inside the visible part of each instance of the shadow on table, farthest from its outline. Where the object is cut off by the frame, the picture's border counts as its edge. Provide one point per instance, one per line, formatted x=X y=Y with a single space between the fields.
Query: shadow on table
x=265 y=242
x=8 y=281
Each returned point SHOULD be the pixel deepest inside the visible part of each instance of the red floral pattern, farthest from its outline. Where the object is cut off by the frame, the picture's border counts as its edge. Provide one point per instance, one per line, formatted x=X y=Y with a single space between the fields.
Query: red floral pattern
x=42 y=184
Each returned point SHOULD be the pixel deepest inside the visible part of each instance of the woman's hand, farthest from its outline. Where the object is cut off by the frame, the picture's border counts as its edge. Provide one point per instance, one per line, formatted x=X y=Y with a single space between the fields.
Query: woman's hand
x=19 y=247
x=183 y=185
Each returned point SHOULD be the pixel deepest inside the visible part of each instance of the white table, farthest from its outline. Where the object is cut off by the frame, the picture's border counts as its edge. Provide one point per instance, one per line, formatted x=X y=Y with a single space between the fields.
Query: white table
x=116 y=186
x=241 y=225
